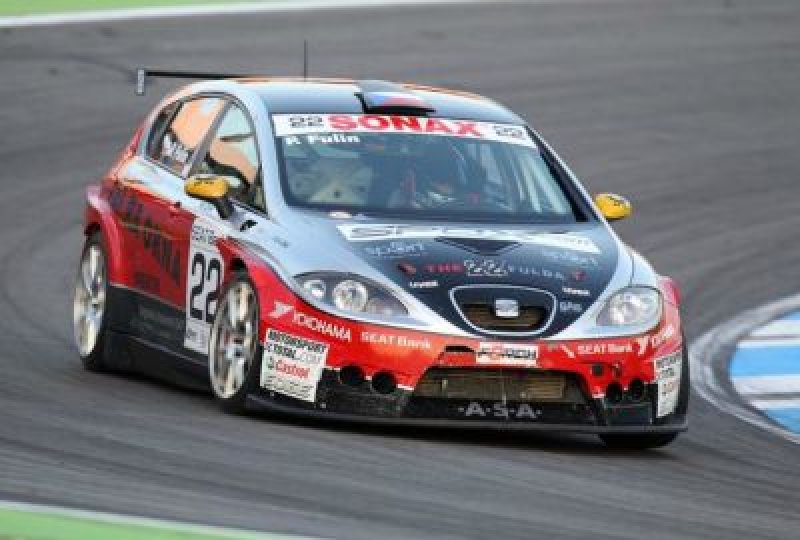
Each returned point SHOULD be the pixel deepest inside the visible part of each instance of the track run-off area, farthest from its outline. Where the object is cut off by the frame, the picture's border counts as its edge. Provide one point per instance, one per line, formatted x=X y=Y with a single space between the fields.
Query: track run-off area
x=689 y=108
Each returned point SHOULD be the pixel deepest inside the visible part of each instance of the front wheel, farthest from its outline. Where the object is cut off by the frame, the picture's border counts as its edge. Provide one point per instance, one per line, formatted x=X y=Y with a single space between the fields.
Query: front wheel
x=233 y=346
x=89 y=305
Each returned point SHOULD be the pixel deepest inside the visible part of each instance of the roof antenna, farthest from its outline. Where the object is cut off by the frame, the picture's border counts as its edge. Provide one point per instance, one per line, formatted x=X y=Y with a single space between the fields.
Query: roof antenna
x=305 y=59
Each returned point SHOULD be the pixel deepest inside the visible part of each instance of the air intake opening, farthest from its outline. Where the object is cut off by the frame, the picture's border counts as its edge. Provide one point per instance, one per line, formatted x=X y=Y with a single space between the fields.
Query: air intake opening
x=351 y=376
x=614 y=394
x=384 y=382
x=636 y=391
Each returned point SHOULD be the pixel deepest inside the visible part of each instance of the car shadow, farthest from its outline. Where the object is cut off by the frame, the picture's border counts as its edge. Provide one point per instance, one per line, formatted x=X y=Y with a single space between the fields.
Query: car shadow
x=543 y=441
x=555 y=442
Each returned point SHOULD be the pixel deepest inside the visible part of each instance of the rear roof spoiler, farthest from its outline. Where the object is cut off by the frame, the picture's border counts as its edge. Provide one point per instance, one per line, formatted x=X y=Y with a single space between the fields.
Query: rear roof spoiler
x=387 y=97
x=143 y=73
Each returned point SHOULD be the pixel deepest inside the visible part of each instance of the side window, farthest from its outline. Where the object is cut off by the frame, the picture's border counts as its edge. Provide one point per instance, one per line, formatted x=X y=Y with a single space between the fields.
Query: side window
x=159 y=125
x=174 y=146
x=233 y=153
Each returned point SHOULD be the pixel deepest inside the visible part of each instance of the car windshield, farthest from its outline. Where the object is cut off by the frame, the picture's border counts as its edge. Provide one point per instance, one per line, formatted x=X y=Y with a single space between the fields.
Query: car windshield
x=418 y=167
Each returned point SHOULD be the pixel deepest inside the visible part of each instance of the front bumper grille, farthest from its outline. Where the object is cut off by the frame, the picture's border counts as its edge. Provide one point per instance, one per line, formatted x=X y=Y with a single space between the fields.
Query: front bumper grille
x=482 y=316
x=476 y=305
x=498 y=385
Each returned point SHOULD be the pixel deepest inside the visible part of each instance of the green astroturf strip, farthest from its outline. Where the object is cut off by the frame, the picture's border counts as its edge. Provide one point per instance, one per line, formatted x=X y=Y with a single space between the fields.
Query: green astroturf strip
x=36 y=525
x=38 y=7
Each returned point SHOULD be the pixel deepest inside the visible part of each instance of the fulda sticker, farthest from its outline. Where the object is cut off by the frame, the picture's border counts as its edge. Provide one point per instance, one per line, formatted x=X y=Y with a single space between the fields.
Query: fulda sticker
x=292 y=365
x=668 y=379
x=507 y=354
x=203 y=280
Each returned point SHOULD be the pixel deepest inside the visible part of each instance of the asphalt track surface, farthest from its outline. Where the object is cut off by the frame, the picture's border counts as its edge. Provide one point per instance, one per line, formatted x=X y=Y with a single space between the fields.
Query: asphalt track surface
x=690 y=108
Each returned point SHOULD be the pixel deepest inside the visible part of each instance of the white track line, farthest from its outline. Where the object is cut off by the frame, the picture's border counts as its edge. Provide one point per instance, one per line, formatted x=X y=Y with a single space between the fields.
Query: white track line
x=782 y=327
x=772 y=404
x=767 y=384
x=222 y=8
x=760 y=343
x=721 y=340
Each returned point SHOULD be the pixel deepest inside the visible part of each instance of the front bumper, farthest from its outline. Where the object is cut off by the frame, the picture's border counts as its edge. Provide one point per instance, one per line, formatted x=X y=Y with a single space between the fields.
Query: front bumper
x=676 y=424
x=402 y=407
x=629 y=384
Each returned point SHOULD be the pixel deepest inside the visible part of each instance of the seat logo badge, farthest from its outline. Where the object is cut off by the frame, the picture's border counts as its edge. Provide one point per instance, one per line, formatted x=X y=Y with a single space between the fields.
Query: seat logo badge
x=506 y=308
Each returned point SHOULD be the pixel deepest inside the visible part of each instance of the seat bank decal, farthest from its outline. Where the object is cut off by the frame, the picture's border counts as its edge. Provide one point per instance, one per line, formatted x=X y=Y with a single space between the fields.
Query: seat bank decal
x=366 y=233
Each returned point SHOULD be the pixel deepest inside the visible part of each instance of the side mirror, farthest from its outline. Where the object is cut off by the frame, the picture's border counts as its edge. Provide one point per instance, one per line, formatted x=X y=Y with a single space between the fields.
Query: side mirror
x=613 y=207
x=211 y=188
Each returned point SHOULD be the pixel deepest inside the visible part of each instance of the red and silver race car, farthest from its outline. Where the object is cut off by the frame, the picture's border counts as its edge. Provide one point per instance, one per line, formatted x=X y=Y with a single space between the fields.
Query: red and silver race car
x=376 y=252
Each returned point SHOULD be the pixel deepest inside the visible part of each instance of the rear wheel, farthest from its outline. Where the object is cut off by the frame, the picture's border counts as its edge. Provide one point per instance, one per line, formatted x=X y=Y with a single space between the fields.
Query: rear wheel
x=233 y=347
x=89 y=305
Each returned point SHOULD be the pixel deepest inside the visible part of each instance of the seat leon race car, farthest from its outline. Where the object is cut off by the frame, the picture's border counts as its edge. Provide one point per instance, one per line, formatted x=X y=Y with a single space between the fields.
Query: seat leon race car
x=375 y=252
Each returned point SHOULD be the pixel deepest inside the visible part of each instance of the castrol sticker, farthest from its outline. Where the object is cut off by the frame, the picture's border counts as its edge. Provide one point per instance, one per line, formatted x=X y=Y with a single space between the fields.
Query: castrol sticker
x=305 y=125
x=292 y=365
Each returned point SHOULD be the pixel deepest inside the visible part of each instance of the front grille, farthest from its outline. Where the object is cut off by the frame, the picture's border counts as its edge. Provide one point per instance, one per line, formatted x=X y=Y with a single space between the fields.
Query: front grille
x=482 y=315
x=497 y=385
x=476 y=304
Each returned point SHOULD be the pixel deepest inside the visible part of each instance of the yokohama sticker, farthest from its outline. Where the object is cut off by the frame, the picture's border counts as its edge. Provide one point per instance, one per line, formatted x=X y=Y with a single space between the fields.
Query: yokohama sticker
x=292 y=365
x=203 y=280
x=309 y=321
x=305 y=124
x=507 y=354
x=668 y=377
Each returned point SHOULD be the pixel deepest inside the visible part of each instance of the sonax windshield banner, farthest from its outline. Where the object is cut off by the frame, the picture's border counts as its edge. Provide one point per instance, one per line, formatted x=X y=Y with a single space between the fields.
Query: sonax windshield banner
x=310 y=125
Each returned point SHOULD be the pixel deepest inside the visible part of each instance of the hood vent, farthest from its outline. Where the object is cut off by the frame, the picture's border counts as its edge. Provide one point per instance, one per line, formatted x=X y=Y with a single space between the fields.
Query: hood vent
x=480 y=246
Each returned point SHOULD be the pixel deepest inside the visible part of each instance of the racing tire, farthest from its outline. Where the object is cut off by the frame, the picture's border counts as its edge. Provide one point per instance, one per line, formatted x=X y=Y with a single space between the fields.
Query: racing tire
x=90 y=305
x=234 y=354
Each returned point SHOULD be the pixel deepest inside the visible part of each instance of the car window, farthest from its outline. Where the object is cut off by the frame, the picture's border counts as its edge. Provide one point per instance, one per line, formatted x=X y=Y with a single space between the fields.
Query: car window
x=176 y=144
x=158 y=127
x=233 y=153
x=419 y=167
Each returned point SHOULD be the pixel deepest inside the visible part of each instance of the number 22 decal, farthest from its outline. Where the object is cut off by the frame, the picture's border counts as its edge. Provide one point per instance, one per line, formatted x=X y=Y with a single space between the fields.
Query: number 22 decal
x=204 y=278
x=209 y=278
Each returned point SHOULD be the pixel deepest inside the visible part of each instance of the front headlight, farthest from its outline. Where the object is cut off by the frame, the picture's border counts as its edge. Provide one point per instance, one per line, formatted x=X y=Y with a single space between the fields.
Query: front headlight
x=632 y=306
x=351 y=294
